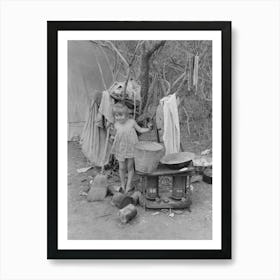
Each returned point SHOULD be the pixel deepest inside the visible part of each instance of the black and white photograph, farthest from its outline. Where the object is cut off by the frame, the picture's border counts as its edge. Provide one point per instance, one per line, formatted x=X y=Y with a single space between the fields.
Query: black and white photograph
x=138 y=147
x=140 y=139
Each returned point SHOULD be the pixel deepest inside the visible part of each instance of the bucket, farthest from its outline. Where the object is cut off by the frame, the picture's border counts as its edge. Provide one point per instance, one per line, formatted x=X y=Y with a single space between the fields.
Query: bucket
x=147 y=155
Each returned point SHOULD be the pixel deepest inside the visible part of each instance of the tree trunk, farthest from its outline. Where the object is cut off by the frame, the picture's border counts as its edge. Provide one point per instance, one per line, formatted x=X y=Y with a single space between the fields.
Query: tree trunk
x=144 y=76
x=145 y=67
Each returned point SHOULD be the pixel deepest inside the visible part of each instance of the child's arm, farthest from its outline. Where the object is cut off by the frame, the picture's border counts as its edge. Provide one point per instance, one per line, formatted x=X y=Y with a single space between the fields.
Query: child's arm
x=141 y=129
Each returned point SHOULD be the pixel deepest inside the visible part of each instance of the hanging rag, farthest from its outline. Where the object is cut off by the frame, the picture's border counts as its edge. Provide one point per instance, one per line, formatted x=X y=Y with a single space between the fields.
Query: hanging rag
x=93 y=138
x=195 y=71
x=105 y=109
x=171 y=134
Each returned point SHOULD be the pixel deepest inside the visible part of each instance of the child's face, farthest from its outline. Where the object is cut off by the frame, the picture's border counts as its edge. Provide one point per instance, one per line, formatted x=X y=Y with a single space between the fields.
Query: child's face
x=120 y=117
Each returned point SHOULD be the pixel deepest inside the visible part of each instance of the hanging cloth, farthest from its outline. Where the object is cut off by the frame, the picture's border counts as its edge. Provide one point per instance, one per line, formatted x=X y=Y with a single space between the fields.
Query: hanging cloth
x=189 y=72
x=171 y=134
x=106 y=106
x=93 y=138
x=195 y=71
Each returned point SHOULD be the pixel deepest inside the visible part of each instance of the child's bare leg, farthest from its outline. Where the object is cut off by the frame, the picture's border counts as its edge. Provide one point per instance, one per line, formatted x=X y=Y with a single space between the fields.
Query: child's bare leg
x=122 y=171
x=130 y=169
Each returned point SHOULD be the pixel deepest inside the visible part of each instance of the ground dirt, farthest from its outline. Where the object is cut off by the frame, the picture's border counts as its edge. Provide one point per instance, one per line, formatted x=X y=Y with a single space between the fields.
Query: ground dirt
x=99 y=220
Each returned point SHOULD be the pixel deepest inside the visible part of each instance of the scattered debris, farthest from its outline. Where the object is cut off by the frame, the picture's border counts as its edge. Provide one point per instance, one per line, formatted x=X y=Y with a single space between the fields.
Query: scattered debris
x=155 y=213
x=207 y=175
x=121 y=200
x=203 y=161
x=96 y=194
x=100 y=181
x=205 y=152
x=98 y=189
x=104 y=215
x=171 y=215
x=84 y=169
x=114 y=189
x=136 y=196
x=83 y=193
x=127 y=213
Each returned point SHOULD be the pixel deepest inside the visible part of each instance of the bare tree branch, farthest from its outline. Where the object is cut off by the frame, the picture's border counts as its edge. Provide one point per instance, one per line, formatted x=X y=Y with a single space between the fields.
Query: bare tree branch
x=150 y=92
x=101 y=72
x=155 y=47
x=107 y=59
x=129 y=68
x=178 y=79
x=118 y=52
x=188 y=117
x=177 y=64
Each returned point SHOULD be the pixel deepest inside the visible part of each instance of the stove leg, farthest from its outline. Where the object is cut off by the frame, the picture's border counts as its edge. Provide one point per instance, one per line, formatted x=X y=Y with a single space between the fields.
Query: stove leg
x=151 y=187
x=179 y=185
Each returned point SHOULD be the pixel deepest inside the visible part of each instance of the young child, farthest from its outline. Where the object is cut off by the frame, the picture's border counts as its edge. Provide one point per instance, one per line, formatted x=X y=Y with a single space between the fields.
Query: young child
x=125 y=139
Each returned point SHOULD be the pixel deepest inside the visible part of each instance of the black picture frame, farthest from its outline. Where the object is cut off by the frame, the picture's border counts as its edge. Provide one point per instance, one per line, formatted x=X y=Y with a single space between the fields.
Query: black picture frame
x=52 y=102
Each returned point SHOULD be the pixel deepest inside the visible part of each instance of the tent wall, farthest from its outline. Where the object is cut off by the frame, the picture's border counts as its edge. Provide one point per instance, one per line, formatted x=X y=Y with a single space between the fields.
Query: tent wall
x=84 y=79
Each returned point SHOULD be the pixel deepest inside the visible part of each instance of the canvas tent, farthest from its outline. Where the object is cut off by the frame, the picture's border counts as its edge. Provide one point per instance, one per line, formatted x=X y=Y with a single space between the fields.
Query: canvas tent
x=86 y=61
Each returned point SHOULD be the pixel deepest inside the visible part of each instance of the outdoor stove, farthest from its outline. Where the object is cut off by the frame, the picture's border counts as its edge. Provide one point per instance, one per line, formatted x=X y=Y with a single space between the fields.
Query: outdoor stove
x=180 y=196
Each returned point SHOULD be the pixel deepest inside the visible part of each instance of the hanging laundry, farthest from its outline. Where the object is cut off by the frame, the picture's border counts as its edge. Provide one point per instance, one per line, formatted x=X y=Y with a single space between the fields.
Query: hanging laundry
x=189 y=77
x=171 y=134
x=191 y=69
x=195 y=71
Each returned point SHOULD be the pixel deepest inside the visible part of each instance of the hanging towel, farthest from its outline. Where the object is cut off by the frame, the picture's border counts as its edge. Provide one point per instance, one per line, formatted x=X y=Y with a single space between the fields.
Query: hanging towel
x=195 y=71
x=171 y=134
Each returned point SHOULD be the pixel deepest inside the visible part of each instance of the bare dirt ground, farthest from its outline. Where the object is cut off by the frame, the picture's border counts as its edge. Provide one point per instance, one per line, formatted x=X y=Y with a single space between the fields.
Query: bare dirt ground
x=99 y=220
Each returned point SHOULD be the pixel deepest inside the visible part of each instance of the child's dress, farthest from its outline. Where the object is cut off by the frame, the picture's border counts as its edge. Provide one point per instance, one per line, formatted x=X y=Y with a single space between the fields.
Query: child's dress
x=125 y=139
